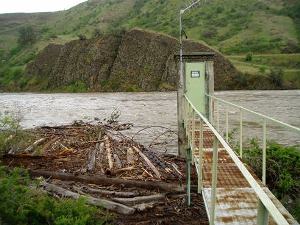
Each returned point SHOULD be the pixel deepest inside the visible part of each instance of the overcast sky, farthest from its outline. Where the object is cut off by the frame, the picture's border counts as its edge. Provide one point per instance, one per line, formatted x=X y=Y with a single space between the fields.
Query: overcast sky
x=11 y=6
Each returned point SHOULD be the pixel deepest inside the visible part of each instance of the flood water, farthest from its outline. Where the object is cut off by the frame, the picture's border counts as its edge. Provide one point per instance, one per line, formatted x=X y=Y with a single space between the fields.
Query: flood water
x=152 y=113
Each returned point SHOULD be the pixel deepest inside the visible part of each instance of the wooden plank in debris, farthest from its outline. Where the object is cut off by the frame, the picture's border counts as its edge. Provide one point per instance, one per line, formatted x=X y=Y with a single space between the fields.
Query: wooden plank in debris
x=113 y=206
x=140 y=199
x=149 y=163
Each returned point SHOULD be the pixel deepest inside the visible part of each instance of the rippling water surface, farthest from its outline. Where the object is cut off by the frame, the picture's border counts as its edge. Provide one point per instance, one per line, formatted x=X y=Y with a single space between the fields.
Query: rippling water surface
x=152 y=109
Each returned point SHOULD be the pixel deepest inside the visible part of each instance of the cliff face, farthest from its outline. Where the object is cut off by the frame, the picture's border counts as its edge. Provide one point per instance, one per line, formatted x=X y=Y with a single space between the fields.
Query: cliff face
x=134 y=60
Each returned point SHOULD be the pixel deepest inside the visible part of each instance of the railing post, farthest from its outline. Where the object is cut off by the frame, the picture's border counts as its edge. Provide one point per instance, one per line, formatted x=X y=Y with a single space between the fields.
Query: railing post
x=241 y=133
x=262 y=214
x=218 y=116
x=184 y=110
x=211 y=110
x=188 y=177
x=214 y=182
x=193 y=135
x=182 y=118
x=264 y=154
x=187 y=119
x=200 y=178
x=227 y=125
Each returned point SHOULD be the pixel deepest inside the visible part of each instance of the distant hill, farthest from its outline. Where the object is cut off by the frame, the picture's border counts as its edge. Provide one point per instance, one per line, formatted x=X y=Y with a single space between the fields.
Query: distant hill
x=136 y=60
x=231 y=26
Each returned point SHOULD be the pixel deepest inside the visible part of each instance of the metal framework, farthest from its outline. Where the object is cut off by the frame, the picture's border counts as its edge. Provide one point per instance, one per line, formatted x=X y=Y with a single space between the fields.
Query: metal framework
x=266 y=206
x=265 y=120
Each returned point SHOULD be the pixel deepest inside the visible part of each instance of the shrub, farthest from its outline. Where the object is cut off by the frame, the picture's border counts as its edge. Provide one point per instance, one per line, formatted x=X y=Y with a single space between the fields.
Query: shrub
x=276 y=77
x=262 y=69
x=241 y=80
x=283 y=167
x=210 y=33
x=20 y=204
x=97 y=33
x=15 y=51
x=81 y=37
x=27 y=35
x=76 y=87
x=11 y=135
x=249 y=57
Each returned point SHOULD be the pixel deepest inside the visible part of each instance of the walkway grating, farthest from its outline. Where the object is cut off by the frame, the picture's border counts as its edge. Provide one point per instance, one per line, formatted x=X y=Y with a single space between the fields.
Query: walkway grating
x=236 y=201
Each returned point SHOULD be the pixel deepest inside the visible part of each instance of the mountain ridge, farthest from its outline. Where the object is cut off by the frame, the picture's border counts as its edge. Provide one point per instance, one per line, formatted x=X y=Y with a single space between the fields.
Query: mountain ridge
x=237 y=27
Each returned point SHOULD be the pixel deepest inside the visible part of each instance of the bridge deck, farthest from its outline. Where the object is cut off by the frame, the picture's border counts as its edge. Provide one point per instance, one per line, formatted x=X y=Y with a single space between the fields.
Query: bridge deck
x=236 y=201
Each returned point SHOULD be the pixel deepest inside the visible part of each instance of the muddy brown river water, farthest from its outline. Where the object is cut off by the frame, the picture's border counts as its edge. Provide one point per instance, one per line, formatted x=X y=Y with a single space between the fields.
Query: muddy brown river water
x=155 y=110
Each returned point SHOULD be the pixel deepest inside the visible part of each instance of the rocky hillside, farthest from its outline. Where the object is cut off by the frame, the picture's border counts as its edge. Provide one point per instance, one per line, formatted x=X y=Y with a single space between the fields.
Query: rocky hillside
x=237 y=28
x=131 y=61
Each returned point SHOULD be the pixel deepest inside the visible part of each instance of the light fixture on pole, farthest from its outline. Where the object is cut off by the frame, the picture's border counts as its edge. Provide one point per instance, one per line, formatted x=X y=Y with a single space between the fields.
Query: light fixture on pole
x=180 y=92
x=182 y=11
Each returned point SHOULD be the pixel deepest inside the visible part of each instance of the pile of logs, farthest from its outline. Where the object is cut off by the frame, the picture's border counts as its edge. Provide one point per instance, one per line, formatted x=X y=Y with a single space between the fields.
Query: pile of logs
x=98 y=162
x=101 y=149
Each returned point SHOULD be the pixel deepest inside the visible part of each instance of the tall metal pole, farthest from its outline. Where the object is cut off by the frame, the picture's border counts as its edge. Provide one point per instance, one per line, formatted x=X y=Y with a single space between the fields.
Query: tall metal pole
x=181 y=50
x=182 y=11
x=182 y=145
x=182 y=142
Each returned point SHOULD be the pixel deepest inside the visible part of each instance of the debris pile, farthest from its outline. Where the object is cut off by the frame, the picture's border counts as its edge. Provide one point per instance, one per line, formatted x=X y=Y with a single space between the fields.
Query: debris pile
x=100 y=149
x=97 y=161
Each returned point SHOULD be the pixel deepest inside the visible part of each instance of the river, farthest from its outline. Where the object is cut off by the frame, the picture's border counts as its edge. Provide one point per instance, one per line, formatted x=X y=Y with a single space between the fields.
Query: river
x=157 y=111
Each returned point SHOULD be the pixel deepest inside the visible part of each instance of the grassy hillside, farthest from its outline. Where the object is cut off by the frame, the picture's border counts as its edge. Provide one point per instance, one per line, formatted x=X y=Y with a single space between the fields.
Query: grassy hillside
x=234 y=27
x=264 y=64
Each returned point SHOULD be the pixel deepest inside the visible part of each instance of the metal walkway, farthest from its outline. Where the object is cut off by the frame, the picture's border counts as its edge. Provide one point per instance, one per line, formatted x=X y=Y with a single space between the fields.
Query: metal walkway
x=232 y=193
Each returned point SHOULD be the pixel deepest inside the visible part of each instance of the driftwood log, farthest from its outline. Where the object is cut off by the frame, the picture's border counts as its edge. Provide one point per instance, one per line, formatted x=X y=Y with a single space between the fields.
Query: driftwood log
x=34 y=145
x=149 y=163
x=103 y=180
x=92 y=160
x=110 y=205
x=107 y=192
x=109 y=153
x=131 y=158
x=143 y=206
x=92 y=156
x=140 y=199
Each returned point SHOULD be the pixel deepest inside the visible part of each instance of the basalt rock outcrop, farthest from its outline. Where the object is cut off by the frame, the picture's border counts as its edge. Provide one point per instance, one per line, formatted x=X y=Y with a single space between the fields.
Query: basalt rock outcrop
x=134 y=60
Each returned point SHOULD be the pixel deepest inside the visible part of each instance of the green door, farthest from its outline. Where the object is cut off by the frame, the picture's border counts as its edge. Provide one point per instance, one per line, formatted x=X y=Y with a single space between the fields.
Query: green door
x=195 y=84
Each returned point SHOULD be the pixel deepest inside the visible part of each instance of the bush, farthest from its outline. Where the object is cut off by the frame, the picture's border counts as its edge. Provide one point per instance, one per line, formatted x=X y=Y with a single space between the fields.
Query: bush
x=20 y=204
x=76 y=87
x=11 y=135
x=249 y=57
x=81 y=37
x=15 y=51
x=276 y=77
x=27 y=35
x=97 y=33
x=262 y=69
x=210 y=33
x=241 y=80
x=283 y=171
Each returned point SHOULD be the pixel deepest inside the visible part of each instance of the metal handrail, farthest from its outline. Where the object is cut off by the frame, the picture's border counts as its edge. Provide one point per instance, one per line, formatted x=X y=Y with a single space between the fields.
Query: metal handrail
x=297 y=129
x=263 y=197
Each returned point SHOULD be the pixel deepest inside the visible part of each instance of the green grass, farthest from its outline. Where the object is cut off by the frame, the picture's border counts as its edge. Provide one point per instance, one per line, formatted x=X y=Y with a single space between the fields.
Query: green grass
x=262 y=64
x=289 y=61
x=21 y=202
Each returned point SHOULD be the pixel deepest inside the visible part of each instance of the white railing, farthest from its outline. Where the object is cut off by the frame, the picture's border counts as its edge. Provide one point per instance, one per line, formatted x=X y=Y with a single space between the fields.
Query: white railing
x=265 y=207
x=265 y=121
